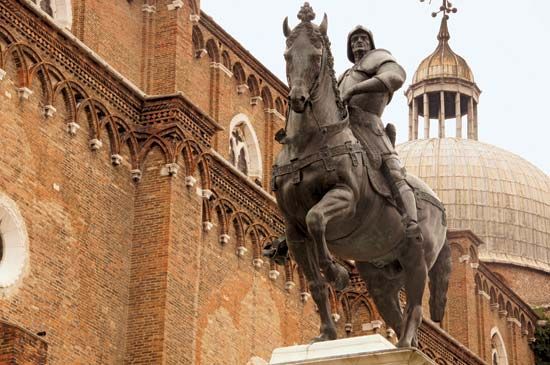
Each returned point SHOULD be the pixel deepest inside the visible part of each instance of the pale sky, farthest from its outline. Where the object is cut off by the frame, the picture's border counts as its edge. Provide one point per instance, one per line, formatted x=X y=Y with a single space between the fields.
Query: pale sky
x=506 y=43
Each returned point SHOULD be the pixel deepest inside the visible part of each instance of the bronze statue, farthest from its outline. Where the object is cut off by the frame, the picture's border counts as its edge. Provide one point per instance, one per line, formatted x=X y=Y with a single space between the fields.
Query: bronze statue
x=367 y=88
x=330 y=206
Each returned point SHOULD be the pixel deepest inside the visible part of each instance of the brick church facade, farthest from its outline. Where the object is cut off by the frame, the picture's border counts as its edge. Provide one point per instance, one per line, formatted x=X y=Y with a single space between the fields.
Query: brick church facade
x=137 y=144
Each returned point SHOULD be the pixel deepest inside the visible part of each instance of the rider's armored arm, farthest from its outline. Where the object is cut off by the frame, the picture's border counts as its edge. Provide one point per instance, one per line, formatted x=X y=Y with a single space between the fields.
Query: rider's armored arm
x=390 y=77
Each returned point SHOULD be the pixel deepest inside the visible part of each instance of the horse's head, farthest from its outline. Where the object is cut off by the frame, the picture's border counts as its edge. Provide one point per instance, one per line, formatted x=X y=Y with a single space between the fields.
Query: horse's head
x=303 y=55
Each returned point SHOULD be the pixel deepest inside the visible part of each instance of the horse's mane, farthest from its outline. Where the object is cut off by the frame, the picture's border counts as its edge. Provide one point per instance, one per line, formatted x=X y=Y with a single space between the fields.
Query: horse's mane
x=320 y=40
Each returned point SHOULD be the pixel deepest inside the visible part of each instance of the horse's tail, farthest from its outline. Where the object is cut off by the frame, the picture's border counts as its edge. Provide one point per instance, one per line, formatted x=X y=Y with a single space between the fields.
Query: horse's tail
x=391 y=132
x=439 y=283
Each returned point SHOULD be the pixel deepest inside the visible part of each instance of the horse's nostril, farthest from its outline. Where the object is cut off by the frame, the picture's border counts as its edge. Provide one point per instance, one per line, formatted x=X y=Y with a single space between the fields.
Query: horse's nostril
x=302 y=99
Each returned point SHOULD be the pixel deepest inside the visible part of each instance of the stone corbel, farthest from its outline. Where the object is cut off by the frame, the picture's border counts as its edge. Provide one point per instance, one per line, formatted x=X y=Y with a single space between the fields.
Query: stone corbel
x=390 y=333
x=49 y=111
x=136 y=175
x=512 y=320
x=207 y=226
x=24 y=93
x=224 y=238
x=255 y=100
x=242 y=88
x=274 y=274
x=150 y=9
x=200 y=53
x=205 y=193
x=72 y=128
x=348 y=327
x=484 y=294
x=170 y=169
x=221 y=67
x=95 y=144
x=258 y=263
x=194 y=18
x=176 y=4
x=474 y=265
x=502 y=313
x=335 y=317
x=464 y=259
x=494 y=306
x=241 y=251
x=376 y=324
x=2 y=74
x=289 y=285
x=116 y=159
x=190 y=181
x=304 y=296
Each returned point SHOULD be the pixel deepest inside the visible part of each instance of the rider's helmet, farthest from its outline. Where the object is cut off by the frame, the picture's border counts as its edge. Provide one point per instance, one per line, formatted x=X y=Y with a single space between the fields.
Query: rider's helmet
x=357 y=29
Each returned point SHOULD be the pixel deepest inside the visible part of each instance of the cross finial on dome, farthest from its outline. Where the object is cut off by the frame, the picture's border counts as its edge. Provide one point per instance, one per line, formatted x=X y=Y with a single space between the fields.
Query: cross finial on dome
x=446 y=8
x=306 y=13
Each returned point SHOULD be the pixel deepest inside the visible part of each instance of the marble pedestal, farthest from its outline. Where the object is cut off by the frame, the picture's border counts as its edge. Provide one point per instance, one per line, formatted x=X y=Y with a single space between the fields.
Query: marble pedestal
x=364 y=350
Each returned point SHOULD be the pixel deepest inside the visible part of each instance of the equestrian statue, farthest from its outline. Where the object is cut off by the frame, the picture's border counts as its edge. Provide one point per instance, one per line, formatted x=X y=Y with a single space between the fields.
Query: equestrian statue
x=341 y=188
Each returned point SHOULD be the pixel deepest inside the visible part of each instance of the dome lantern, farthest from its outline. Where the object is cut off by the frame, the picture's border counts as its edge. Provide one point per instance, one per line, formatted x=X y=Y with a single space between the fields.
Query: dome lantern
x=443 y=88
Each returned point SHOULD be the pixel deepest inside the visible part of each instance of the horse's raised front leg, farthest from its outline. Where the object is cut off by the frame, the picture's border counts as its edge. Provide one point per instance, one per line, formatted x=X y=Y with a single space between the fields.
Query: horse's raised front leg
x=338 y=203
x=306 y=257
x=415 y=270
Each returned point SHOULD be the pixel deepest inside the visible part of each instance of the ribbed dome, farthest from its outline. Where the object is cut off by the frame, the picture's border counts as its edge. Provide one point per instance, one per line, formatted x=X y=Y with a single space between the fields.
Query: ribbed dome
x=501 y=197
x=443 y=62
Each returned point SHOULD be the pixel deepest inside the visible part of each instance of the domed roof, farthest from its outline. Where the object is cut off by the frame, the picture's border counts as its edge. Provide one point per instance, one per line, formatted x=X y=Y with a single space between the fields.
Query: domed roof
x=443 y=62
x=501 y=197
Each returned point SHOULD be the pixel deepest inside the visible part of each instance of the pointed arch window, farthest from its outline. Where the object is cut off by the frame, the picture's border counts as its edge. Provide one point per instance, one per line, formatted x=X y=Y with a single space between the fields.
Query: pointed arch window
x=59 y=10
x=498 y=350
x=244 y=148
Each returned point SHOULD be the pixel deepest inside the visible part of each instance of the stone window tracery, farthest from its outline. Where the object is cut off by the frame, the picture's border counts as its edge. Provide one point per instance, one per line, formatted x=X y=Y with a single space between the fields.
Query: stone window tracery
x=244 y=149
x=498 y=350
x=59 y=10
x=13 y=243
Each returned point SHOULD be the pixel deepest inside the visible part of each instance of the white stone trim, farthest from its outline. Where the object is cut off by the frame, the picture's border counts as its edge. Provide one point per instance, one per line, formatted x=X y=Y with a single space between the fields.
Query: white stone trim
x=224 y=239
x=500 y=346
x=146 y=8
x=221 y=67
x=258 y=263
x=176 y=4
x=194 y=18
x=242 y=88
x=335 y=317
x=200 y=53
x=304 y=296
x=513 y=320
x=95 y=144
x=2 y=74
x=289 y=285
x=136 y=175
x=24 y=93
x=170 y=169
x=62 y=12
x=207 y=226
x=49 y=111
x=484 y=294
x=255 y=165
x=72 y=128
x=274 y=274
x=276 y=113
x=15 y=243
x=255 y=100
x=464 y=258
x=116 y=159
x=241 y=251
x=190 y=181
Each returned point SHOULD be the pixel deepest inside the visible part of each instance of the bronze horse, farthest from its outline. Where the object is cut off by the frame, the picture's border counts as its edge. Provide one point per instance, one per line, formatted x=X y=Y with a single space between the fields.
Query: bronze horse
x=322 y=188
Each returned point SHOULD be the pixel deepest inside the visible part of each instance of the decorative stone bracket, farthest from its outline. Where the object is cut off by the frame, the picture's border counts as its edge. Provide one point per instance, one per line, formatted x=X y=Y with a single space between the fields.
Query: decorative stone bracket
x=116 y=159
x=274 y=274
x=255 y=100
x=289 y=285
x=136 y=175
x=148 y=8
x=176 y=4
x=224 y=239
x=72 y=128
x=335 y=317
x=190 y=181
x=95 y=144
x=304 y=296
x=221 y=67
x=258 y=263
x=241 y=251
x=200 y=53
x=242 y=88
x=170 y=169
x=24 y=93
x=49 y=111
x=207 y=226
x=2 y=74
x=194 y=18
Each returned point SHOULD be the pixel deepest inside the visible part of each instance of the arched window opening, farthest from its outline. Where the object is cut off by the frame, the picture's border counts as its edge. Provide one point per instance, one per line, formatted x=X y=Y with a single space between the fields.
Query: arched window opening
x=13 y=243
x=498 y=350
x=226 y=60
x=198 y=42
x=59 y=10
x=244 y=148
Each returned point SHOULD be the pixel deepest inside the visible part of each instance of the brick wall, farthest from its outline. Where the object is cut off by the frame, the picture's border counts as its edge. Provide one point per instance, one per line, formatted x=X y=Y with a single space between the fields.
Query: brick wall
x=17 y=346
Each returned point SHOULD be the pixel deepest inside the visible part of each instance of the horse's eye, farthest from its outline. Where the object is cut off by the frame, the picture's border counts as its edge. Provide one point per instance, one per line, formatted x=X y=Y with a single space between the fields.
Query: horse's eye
x=287 y=56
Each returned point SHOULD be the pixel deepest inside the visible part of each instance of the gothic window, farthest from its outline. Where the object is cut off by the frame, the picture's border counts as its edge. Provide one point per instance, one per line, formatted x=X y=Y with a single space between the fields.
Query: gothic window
x=59 y=10
x=244 y=149
x=498 y=350
x=13 y=243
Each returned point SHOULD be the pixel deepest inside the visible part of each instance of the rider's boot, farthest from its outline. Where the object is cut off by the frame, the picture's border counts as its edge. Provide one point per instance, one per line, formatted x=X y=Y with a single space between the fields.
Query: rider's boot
x=411 y=215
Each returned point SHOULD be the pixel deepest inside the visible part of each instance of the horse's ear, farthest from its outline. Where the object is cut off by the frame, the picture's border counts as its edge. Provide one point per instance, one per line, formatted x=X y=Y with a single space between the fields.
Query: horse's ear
x=286 y=28
x=324 y=25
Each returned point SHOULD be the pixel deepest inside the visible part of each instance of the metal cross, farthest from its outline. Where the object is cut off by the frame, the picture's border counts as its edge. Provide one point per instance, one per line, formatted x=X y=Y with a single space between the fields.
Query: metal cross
x=445 y=8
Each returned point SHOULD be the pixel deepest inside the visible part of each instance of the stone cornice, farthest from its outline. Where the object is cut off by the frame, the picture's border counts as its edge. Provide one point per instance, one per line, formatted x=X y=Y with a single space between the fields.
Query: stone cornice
x=214 y=28
x=464 y=233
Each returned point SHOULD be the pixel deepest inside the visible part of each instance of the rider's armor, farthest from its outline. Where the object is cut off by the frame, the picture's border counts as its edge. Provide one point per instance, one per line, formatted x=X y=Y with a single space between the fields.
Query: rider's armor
x=365 y=118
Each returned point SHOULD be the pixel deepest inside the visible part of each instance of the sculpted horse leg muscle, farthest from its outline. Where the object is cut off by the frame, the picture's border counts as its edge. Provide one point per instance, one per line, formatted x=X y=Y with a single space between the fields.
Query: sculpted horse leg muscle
x=330 y=208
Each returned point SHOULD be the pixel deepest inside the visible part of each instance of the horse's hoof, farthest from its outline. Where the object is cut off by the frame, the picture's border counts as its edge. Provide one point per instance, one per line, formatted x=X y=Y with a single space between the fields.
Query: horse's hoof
x=322 y=338
x=402 y=343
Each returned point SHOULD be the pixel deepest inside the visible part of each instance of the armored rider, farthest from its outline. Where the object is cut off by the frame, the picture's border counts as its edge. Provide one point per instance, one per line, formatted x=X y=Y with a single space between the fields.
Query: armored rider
x=367 y=88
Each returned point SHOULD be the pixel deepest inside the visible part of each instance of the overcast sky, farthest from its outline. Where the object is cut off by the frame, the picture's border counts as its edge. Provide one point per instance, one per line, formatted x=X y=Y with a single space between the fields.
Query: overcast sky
x=506 y=43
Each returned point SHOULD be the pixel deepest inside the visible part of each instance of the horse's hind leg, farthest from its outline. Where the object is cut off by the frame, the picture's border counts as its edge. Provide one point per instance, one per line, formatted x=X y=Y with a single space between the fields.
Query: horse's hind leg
x=439 y=283
x=384 y=291
x=337 y=203
x=305 y=255
x=415 y=271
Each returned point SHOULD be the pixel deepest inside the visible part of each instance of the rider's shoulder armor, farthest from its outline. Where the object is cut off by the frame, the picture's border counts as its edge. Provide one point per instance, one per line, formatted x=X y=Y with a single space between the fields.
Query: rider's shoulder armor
x=372 y=61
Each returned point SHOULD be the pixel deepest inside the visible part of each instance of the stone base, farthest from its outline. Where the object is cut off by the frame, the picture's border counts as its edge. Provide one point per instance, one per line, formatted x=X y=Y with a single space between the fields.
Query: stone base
x=364 y=350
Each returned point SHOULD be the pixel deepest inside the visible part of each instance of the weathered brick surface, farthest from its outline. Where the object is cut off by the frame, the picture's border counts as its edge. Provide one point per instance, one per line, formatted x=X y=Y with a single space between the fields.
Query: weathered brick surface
x=20 y=347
